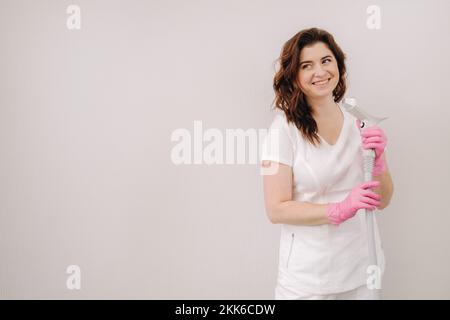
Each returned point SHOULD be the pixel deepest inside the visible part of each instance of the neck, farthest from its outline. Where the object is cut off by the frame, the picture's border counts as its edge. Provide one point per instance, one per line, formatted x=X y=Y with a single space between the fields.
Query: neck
x=322 y=107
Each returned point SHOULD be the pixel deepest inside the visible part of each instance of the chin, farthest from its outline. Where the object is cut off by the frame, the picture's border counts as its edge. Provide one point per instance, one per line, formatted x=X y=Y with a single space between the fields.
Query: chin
x=323 y=93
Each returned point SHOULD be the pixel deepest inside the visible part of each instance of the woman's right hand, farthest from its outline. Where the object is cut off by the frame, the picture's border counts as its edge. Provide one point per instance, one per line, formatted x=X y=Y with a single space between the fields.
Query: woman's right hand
x=359 y=198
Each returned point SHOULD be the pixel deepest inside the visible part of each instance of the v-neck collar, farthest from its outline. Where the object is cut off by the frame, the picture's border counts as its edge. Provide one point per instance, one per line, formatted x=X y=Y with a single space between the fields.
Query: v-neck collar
x=344 y=122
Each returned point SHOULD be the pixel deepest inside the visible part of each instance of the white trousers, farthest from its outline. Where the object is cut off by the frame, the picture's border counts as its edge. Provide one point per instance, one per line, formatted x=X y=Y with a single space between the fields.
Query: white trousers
x=360 y=293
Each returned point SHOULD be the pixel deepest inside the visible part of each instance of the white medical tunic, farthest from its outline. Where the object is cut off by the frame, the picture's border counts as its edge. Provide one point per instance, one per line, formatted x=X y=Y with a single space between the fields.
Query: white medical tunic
x=322 y=259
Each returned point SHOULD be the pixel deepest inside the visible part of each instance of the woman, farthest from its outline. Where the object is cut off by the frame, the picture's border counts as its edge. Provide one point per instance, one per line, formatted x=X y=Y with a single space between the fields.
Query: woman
x=318 y=186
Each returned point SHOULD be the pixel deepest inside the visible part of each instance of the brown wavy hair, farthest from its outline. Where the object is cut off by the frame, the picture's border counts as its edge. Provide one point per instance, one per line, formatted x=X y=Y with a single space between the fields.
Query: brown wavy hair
x=288 y=95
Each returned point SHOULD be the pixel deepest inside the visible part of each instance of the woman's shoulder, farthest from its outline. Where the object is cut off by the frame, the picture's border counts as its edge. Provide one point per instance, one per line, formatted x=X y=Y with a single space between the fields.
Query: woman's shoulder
x=279 y=119
x=280 y=122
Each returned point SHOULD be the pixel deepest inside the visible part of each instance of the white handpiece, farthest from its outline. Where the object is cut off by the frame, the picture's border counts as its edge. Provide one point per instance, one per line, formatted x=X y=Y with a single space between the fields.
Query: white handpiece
x=367 y=120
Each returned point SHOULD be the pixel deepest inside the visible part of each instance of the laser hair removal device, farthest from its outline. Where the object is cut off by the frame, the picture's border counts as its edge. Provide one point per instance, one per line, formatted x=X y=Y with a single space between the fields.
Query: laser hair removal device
x=368 y=120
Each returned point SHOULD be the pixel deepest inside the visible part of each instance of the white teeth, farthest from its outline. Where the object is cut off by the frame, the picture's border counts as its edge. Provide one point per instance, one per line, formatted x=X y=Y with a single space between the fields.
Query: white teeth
x=321 y=82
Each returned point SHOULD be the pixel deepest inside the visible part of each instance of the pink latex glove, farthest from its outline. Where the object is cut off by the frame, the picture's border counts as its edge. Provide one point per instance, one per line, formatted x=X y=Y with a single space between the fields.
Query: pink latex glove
x=374 y=138
x=358 y=198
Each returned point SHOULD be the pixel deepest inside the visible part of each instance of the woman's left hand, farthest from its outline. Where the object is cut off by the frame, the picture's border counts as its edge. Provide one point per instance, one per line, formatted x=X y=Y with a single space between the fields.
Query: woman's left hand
x=374 y=138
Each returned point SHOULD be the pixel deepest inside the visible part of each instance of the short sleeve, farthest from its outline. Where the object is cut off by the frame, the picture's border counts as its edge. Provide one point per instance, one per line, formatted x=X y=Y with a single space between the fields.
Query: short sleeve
x=277 y=145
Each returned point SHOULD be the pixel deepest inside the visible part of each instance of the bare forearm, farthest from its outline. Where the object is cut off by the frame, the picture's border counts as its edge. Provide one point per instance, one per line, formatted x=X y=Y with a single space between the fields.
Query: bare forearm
x=300 y=213
x=386 y=188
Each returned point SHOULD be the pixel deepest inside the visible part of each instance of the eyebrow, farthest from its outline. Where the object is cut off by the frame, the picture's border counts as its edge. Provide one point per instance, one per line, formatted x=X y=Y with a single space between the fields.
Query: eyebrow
x=328 y=56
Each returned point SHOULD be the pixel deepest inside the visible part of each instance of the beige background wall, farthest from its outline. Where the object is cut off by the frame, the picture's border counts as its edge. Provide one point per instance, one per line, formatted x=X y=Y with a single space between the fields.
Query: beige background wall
x=86 y=117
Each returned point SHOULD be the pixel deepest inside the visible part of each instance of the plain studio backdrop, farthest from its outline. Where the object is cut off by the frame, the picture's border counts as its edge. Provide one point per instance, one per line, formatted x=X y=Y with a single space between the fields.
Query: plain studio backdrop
x=87 y=115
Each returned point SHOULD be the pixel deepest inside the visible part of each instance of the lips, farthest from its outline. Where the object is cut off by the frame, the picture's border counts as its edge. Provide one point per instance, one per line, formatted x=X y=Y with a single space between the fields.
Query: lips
x=322 y=82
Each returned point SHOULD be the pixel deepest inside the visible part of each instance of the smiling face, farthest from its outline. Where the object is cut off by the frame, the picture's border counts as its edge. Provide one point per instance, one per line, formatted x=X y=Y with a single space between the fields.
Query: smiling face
x=319 y=73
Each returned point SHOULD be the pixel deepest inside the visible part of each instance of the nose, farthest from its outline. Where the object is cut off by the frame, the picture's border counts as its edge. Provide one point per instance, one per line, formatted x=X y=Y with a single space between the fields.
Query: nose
x=320 y=71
